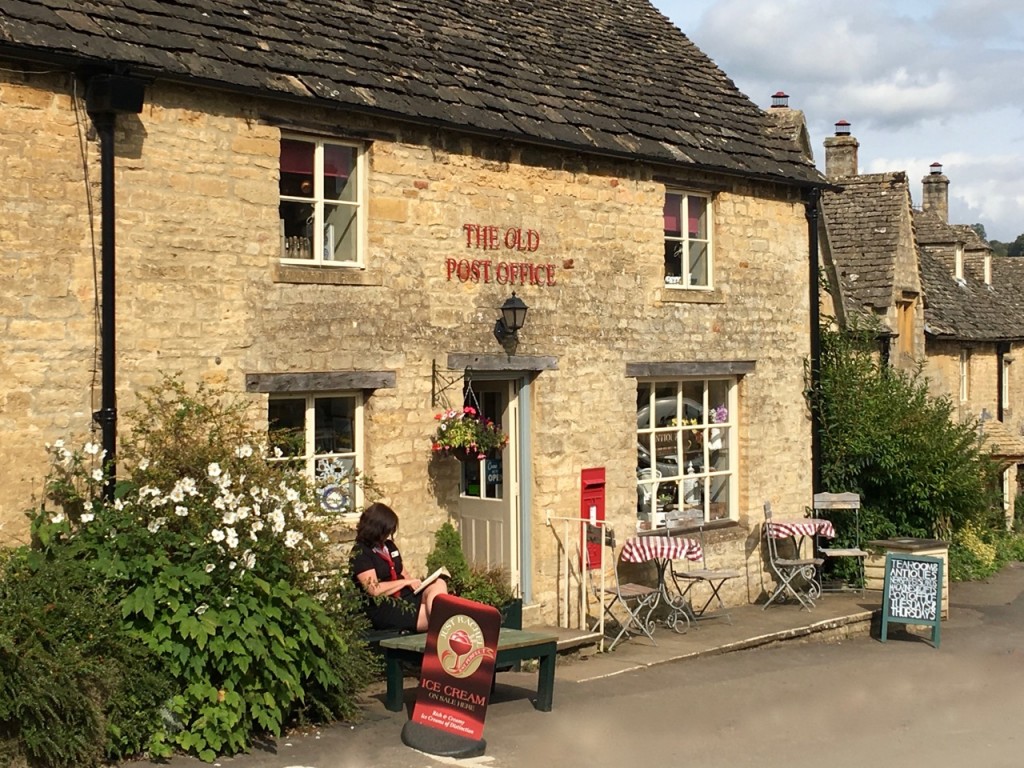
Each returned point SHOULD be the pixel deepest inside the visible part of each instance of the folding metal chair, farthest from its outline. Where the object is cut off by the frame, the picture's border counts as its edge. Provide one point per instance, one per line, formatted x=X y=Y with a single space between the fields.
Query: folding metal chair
x=714 y=578
x=636 y=601
x=789 y=570
x=843 y=502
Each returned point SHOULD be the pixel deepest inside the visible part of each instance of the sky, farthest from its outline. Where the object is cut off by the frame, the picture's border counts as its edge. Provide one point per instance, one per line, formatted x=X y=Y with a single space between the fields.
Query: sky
x=919 y=81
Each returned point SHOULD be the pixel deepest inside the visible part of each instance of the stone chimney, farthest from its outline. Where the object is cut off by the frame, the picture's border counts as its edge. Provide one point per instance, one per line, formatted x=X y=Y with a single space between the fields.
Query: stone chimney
x=791 y=123
x=841 y=152
x=935 y=193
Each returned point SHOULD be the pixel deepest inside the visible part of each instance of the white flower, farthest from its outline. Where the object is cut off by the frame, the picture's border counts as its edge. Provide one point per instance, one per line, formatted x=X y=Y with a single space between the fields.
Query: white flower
x=201 y=609
x=144 y=464
x=209 y=567
x=243 y=451
x=57 y=519
x=248 y=559
x=87 y=517
x=278 y=453
x=155 y=525
x=229 y=517
x=213 y=470
x=292 y=538
x=232 y=565
x=97 y=475
x=291 y=494
x=181 y=511
x=231 y=538
x=92 y=449
x=59 y=444
x=277 y=521
x=217 y=535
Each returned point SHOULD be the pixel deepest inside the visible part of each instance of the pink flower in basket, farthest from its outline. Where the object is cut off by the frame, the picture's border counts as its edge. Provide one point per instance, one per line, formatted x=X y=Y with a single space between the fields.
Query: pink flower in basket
x=465 y=432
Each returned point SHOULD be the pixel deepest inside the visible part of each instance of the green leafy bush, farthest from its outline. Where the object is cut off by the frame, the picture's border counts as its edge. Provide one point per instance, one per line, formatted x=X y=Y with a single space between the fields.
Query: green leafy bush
x=484 y=585
x=219 y=560
x=74 y=687
x=918 y=470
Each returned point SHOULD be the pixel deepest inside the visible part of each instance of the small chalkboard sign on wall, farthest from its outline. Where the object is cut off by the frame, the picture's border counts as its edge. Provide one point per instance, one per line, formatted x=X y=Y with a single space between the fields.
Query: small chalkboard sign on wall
x=912 y=592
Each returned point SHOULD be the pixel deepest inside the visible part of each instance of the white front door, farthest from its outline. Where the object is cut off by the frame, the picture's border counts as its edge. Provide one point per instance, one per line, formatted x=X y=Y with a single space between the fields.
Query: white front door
x=489 y=498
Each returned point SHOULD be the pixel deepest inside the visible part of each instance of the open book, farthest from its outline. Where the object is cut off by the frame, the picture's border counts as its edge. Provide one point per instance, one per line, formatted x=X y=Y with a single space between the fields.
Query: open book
x=439 y=573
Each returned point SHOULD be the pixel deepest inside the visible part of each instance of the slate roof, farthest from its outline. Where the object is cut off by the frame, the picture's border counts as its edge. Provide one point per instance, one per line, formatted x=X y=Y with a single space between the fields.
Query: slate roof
x=613 y=77
x=969 y=309
x=863 y=223
x=1003 y=445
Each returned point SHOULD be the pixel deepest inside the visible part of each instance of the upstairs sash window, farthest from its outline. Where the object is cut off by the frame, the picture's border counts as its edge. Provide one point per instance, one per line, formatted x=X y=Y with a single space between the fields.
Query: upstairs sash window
x=687 y=240
x=321 y=202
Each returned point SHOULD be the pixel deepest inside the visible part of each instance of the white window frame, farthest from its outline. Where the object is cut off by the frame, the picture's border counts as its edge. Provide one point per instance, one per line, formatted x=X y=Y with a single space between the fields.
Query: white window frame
x=685 y=240
x=1005 y=393
x=707 y=427
x=312 y=466
x=965 y=374
x=958 y=262
x=318 y=201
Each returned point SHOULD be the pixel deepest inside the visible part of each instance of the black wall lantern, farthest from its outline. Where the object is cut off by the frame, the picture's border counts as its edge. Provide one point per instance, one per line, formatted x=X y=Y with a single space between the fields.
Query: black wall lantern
x=513 y=316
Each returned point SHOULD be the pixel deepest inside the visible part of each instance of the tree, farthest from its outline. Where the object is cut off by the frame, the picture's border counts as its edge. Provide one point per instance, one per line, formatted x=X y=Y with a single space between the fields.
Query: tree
x=980 y=230
x=1016 y=248
x=919 y=471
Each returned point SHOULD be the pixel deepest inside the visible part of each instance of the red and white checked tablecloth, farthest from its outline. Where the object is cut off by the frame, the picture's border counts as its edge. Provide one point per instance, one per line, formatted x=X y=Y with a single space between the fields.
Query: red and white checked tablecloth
x=640 y=549
x=781 y=529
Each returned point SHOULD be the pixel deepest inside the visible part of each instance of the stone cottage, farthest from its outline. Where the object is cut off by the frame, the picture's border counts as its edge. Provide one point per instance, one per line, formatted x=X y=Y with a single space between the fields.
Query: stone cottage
x=325 y=207
x=942 y=300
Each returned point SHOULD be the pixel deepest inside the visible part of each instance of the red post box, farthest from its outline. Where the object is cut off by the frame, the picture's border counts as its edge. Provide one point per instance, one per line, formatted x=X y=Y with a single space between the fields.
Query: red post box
x=592 y=504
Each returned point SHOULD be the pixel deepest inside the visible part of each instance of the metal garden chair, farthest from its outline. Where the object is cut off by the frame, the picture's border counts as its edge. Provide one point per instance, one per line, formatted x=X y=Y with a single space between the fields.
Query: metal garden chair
x=627 y=605
x=790 y=572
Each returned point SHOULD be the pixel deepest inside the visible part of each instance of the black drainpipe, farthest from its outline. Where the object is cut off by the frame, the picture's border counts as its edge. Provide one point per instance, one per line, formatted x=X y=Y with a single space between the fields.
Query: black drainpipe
x=811 y=210
x=107 y=96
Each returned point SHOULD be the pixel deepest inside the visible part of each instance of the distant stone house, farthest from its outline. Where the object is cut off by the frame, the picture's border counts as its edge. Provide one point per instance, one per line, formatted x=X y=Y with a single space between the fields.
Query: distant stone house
x=943 y=301
x=324 y=208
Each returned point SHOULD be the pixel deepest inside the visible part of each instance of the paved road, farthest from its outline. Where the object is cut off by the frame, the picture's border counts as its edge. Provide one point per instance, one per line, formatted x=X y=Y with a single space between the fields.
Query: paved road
x=803 y=703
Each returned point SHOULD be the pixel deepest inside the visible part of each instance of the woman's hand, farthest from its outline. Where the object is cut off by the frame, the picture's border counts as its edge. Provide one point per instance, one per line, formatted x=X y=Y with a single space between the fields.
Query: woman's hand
x=414 y=583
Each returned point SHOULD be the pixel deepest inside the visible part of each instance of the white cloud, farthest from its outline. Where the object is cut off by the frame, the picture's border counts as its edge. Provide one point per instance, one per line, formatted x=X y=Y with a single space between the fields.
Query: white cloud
x=919 y=80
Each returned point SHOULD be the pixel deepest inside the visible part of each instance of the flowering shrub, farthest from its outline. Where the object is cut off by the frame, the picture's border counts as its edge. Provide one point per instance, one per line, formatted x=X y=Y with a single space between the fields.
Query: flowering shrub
x=221 y=564
x=466 y=431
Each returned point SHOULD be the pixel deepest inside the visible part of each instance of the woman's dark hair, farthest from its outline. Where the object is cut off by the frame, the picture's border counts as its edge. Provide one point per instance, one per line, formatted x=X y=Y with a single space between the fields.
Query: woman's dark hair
x=377 y=523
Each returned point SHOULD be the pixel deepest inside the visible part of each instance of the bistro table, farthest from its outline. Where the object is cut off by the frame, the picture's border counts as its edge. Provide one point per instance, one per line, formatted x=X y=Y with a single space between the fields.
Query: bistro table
x=799 y=530
x=662 y=550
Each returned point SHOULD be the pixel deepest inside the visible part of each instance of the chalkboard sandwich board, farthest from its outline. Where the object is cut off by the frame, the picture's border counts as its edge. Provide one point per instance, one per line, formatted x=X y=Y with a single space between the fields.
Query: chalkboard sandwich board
x=913 y=592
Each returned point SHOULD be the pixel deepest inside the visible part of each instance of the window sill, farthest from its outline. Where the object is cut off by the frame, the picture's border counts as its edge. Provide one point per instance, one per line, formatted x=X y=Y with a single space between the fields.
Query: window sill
x=320 y=275
x=670 y=295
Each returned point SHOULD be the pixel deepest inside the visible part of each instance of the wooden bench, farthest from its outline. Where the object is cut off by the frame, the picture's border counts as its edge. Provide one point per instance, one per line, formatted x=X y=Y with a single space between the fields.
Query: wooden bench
x=514 y=646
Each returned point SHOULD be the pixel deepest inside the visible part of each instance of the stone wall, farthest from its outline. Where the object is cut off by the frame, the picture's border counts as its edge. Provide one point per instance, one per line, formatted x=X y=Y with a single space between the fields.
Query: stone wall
x=201 y=293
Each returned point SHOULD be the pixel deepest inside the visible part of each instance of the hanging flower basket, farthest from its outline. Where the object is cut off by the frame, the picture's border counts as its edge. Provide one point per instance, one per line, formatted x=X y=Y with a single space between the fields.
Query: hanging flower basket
x=466 y=436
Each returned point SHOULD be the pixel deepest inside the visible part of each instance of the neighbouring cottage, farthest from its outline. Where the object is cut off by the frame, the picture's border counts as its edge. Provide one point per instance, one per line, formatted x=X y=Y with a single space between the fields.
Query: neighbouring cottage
x=325 y=207
x=942 y=300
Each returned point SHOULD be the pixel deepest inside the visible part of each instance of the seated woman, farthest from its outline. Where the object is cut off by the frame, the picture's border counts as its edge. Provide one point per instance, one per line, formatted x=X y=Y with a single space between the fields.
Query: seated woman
x=378 y=569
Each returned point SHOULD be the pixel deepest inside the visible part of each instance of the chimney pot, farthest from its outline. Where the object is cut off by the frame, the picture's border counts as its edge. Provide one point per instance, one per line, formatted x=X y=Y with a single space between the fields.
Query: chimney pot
x=841 y=153
x=935 y=192
x=780 y=99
